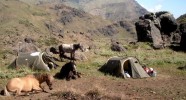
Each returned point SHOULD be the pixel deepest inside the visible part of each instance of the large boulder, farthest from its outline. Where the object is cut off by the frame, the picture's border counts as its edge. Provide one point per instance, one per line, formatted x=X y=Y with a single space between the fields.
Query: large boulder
x=156 y=28
x=116 y=46
x=143 y=30
x=156 y=37
x=167 y=21
x=183 y=36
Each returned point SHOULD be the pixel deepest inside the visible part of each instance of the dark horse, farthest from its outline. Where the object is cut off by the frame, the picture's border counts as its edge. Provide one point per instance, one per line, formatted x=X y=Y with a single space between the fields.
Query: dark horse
x=68 y=71
x=69 y=48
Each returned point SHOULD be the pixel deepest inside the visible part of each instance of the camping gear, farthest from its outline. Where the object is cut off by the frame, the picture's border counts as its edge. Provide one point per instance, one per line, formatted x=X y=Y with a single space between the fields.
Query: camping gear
x=154 y=74
x=35 y=60
x=127 y=74
x=150 y=71
x=118 y=65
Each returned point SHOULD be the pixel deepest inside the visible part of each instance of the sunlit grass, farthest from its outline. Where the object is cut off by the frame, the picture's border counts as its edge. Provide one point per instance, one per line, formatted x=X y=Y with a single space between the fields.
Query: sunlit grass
x=11 y=73
x=165 y=60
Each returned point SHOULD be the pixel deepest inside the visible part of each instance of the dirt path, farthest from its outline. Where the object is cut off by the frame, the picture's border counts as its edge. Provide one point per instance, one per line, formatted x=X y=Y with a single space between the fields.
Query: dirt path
x=111 y=88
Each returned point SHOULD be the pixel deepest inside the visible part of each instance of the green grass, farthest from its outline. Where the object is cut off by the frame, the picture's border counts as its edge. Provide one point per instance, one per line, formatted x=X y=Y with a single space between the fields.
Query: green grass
x=165 y=60
x=26 y=22
x=30 y=20
x=11 y=73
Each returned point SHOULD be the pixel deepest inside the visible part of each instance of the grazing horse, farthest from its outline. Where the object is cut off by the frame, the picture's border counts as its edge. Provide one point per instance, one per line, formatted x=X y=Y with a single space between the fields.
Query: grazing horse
x=69 y=48
x=30 y=83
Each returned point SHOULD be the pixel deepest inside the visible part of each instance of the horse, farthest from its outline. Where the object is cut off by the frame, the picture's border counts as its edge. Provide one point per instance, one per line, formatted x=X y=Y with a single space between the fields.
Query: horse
x=68 y=71
x=29 y=83
x=69 y=48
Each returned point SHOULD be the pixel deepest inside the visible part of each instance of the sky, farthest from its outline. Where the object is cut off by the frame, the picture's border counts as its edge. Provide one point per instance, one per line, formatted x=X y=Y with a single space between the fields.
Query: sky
x=176 y=7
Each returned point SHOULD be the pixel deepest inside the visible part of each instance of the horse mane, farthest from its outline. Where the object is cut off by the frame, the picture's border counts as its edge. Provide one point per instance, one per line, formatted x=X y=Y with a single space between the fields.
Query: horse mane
x=76 y=46
x=41 y=77
x=54 y=50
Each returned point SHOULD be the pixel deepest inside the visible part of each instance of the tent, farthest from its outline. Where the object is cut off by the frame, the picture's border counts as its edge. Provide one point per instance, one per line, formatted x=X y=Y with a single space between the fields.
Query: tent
x=117 y=66
x=35 y=60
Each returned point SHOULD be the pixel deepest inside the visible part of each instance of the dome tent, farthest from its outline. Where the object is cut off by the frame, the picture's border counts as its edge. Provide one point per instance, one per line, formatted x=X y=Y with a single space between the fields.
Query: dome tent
x=118 y=65
x=35 y=60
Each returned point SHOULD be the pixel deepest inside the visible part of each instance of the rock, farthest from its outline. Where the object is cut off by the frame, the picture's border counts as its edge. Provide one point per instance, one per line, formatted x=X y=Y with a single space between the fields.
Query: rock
x=167 y=21
x=116 y=46
x=183 y=36
x=80 y=56
x=143 y=30
x=156 y=28
x=156 y=37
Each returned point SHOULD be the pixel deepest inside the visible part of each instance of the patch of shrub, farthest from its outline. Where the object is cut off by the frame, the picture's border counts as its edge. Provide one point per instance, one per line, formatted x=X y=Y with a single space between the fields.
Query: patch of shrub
x=39 y=14
x=11 y=73
x=93 y=95
x=25 y=22
x=68 y=95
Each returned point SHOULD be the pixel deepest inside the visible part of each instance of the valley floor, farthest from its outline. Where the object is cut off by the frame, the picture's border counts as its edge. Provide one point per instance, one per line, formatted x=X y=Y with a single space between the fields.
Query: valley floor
x=162 y=87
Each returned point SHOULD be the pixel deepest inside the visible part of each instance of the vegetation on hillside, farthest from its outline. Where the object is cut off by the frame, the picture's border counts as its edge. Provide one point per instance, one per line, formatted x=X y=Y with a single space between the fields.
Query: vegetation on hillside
x=182 y=19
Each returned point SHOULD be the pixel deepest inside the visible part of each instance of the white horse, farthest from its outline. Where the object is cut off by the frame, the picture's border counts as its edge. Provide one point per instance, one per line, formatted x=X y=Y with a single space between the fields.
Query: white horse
x=69 y=48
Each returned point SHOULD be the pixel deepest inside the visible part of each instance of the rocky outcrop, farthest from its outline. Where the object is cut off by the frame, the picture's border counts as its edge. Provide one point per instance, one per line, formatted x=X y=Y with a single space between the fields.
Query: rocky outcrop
x=67 y=14
x=54 y=29
x=128 y=25
x=183 y=36
x=109 y=30
x=157 y=28
x=143 y=30
x=115 y=10
x=167 y=21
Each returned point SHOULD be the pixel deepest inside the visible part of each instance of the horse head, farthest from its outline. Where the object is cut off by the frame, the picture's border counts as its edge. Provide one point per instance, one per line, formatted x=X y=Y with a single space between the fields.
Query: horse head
x=45 y=78
x=54 y=50
x=79 y=46
x=49 y=79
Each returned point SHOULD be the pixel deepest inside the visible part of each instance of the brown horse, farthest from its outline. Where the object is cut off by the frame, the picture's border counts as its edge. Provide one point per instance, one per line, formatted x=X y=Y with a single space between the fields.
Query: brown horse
x=30 y=83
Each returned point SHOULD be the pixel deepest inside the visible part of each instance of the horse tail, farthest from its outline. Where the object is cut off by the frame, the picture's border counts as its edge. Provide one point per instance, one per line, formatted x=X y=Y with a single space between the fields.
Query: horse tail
x=6 y=93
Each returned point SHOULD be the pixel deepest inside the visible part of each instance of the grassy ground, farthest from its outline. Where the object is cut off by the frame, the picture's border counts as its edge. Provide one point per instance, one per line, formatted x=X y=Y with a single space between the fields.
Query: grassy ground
x=165 y=62
x=165 y=59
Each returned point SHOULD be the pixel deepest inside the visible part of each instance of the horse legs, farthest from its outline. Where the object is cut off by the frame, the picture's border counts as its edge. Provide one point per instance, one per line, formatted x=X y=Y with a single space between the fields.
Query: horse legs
x=61 y=56
x=37 y=89
x=18 y=92
x=72 y=56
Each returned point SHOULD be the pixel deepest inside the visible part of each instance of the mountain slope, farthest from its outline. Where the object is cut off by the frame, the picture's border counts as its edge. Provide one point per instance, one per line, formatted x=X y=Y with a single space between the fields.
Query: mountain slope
x=50 y=24
x=116 y=10
x=181 y=19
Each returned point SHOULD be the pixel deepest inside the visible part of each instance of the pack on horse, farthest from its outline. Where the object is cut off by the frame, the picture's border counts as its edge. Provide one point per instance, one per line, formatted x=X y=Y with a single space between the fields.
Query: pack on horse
x=30 y=83
x=69 y=48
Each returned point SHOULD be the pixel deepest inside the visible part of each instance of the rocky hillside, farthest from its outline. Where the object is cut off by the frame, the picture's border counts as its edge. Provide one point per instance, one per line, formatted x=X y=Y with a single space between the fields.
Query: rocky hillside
x=182 y=19
x=116 y=10
x=123 y=12
x=50 y=24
